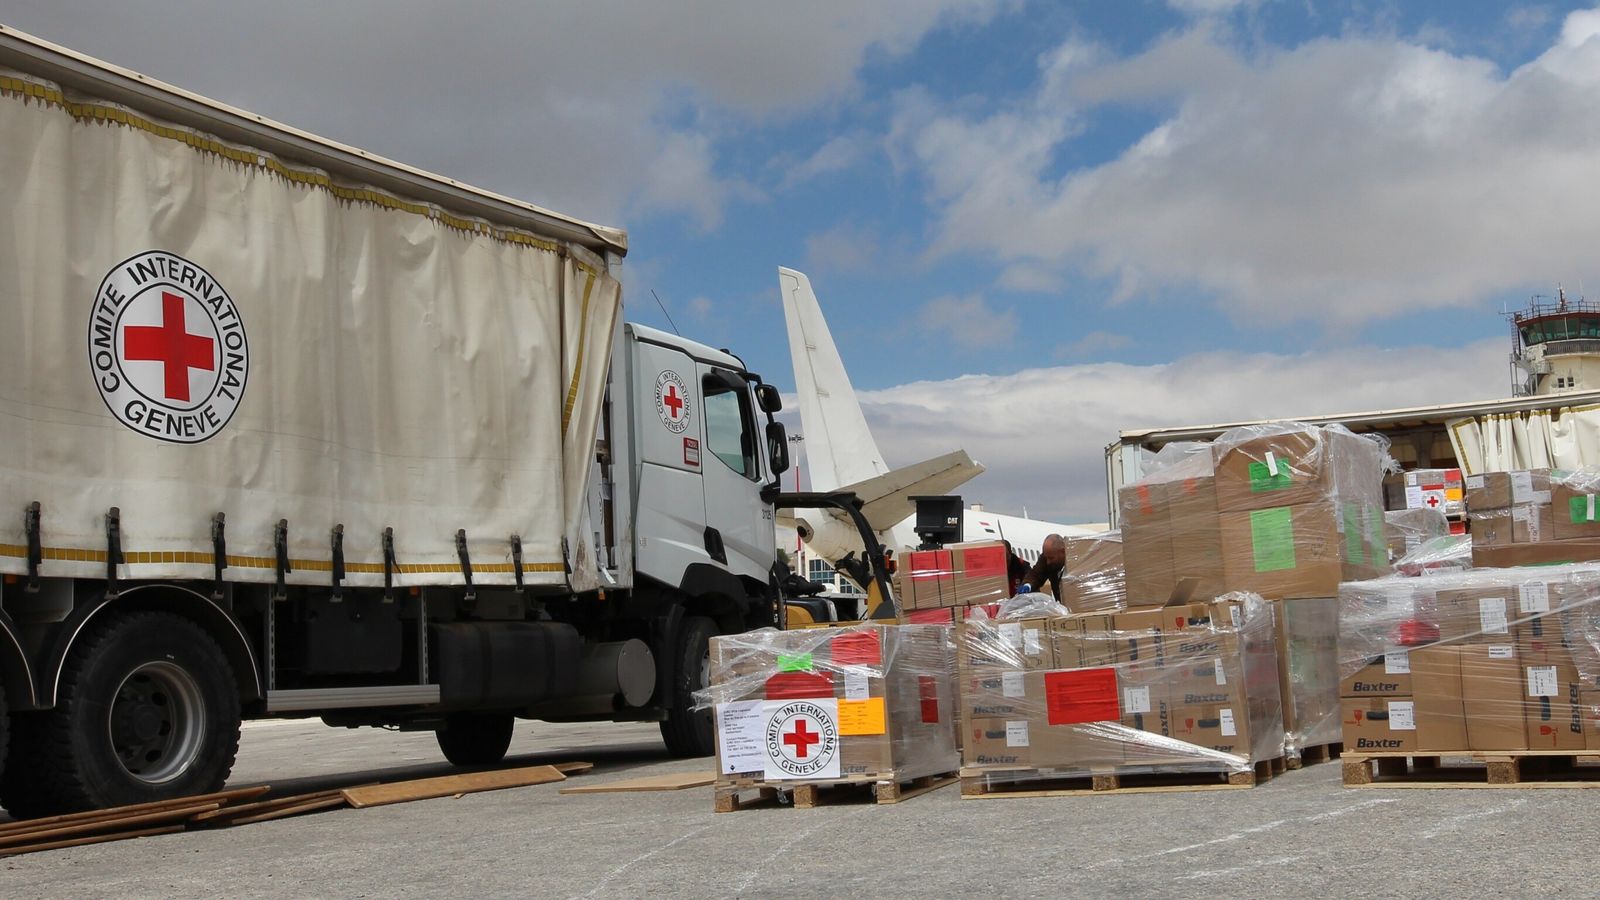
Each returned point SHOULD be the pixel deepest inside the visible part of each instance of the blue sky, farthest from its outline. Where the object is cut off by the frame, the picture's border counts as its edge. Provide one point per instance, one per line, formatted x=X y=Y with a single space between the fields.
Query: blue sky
x=1031 y=224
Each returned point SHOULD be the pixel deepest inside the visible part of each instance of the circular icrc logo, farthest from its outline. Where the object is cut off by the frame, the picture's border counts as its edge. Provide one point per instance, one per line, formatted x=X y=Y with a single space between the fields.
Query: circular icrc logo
x=802 y=738
x=672 y=401
x=167 y=348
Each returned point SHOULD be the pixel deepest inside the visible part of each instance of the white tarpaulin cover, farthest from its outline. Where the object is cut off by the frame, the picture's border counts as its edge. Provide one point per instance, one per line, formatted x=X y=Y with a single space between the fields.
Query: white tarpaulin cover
x=189 y=327
x=1566 y=437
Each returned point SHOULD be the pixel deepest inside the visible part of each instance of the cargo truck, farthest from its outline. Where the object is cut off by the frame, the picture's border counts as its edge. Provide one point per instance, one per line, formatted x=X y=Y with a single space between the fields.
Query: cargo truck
x=291 y=430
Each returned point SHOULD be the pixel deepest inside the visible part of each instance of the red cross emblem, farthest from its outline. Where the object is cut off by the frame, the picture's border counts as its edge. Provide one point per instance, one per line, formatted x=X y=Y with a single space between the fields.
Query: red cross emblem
x=801 y=739
x=1433 y=501
x=172 y=345
x=673 y=401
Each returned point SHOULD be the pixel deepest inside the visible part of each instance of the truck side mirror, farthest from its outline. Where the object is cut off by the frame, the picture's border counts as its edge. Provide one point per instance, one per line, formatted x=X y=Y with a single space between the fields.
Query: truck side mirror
x=777 y=447
x=768 y=398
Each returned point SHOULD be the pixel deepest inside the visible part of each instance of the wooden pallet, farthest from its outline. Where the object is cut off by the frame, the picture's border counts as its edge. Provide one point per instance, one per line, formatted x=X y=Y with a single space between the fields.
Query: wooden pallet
x=732 y=796
x=983 y=784
x=1310 y=756
x=1485 y=769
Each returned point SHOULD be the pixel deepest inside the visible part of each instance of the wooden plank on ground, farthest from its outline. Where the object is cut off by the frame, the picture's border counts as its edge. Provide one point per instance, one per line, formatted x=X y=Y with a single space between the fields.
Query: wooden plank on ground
x=93 y=839
x=123 y=823
x=95 y=815
x=229 y=814
x=574 y=768
x=317 y=804
x=450 y=785
x=671 y=781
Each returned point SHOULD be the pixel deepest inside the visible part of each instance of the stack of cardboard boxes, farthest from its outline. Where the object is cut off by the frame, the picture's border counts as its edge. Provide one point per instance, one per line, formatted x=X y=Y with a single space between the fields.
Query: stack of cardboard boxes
x=1406 y=530
x=1189 y=686
x=1093 y=578
x=1532 y=517
x=1441 y=490
x=1287 y=512
x=1487 y=660
x=938 y=587
x=816 y=705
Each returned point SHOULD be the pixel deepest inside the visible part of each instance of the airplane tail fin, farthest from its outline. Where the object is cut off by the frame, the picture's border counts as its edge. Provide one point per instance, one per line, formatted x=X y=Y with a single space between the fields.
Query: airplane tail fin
x=839 y=448
x=886 y=499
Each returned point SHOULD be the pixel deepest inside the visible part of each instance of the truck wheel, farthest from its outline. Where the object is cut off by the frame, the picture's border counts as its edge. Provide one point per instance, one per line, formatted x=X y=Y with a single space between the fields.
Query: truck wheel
x=687 y=731
x=476 y=739
x=147 y=710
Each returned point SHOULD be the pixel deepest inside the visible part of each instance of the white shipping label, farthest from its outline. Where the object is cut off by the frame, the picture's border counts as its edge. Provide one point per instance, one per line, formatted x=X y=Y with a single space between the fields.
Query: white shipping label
x=1397 y=662
x=739 y=742
x=1413 y=497
x=1590 y=516
x=1136 y=700
x=1228 y=729
x=1492 y=615
x=1011 y=684
x=1411 y=478
x=1030 y=642
x=1501 y=651
x=1521 y=487
x=1402 y=715
x=1011 y=634
x=1533 y=598
x=855 y=685
x=1222 y=675
x=1541 y=498
x=1272 y=464
x=1523 y=514
x=1237 y=616
x=1542 y=682
x=1017 y=734
x=1474 y=482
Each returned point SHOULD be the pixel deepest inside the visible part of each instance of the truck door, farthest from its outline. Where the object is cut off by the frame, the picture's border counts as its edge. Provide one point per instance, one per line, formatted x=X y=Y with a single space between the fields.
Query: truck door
x=668 y=420
x=732 y=474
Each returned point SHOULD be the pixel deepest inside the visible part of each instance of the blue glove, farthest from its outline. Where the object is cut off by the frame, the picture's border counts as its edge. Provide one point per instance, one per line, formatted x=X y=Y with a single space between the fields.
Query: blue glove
x=1024 y=589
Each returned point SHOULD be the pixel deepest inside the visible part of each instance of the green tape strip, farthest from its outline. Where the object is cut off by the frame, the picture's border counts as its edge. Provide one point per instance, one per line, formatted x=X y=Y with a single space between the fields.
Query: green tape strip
x=1262 y=479
x=799 y=662
x=1272 y=539
x=1579 y=508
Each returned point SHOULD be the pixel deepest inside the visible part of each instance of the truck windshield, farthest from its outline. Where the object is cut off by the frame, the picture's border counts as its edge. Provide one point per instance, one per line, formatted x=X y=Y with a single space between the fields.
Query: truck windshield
x=730 y=434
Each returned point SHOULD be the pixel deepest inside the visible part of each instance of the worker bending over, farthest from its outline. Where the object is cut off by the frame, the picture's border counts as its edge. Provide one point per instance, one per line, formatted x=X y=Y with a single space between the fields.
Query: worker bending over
x=1052 y=560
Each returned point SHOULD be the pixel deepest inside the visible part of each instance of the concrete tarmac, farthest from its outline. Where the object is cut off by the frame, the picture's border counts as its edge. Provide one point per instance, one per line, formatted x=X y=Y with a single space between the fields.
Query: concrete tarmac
x=1301 y=835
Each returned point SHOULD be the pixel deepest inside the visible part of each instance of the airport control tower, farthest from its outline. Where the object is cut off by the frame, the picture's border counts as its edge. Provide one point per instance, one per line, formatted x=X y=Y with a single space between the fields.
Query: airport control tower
x=1555 y=346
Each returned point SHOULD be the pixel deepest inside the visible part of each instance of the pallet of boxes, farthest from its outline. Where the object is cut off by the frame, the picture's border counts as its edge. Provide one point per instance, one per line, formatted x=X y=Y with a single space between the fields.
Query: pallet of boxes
x=825 y=713
x=1483 y=678
x=1220 y=663
x=941 y=587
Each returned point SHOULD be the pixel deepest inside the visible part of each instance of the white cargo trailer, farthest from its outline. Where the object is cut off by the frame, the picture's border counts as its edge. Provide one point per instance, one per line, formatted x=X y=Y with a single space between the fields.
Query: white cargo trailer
x=288 y=429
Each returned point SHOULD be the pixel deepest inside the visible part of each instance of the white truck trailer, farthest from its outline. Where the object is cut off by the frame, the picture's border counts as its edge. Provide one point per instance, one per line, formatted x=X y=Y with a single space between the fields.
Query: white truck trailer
x=291 y=430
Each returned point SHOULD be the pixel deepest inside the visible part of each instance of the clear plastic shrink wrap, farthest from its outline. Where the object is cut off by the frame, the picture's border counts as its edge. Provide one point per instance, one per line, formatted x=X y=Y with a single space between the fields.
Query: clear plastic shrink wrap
x=1533 y=517
x=936 y=587
x=1450 y=553
x=867 y=702
x=1187 y=687
x=1408 y=529
x=1483 y=660
x=1093 y=580
x=1280 y=510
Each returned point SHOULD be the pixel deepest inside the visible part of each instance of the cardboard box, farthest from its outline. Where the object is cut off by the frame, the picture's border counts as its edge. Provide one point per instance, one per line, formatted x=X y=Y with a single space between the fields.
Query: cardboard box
x=1277 y=469
x=1502 y=490
x=997 y=742
x=1532 y=523
x=1281 y=552
x=1384 y=676
x=1492 y=688
x=927 y=579
x=1440 y=710
x=1589 y=708
x=1093 y=578
x=1544 y=553
x=1477 y=615
x=1577 y=514
x=1146 y=543
x=1439 y=489
x=997 y=694
x=1020 y=644
x=981 y=573
x=1372 y=724
x=1553 y=708
x=1491 y=528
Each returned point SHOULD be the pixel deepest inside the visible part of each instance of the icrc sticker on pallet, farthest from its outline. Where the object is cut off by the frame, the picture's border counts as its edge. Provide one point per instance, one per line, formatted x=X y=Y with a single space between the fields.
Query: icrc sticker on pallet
x=867 y=702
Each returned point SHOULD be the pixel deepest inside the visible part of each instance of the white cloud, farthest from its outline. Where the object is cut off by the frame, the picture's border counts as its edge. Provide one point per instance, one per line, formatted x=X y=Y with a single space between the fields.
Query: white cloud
x=1342 y=181
x=1042 y=433
x=701 y=307
x=968 y=321
x=1206 y=7
x=836 y=155
x=599 y=109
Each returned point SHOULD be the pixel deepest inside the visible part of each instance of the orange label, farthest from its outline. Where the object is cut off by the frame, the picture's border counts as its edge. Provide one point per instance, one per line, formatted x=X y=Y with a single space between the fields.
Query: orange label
x=861 y=716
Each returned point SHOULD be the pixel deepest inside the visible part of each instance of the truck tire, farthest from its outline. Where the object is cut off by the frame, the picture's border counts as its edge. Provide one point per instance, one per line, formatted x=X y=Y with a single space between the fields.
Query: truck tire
x=687 y=731
x=476 y=739
x=147 y=710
